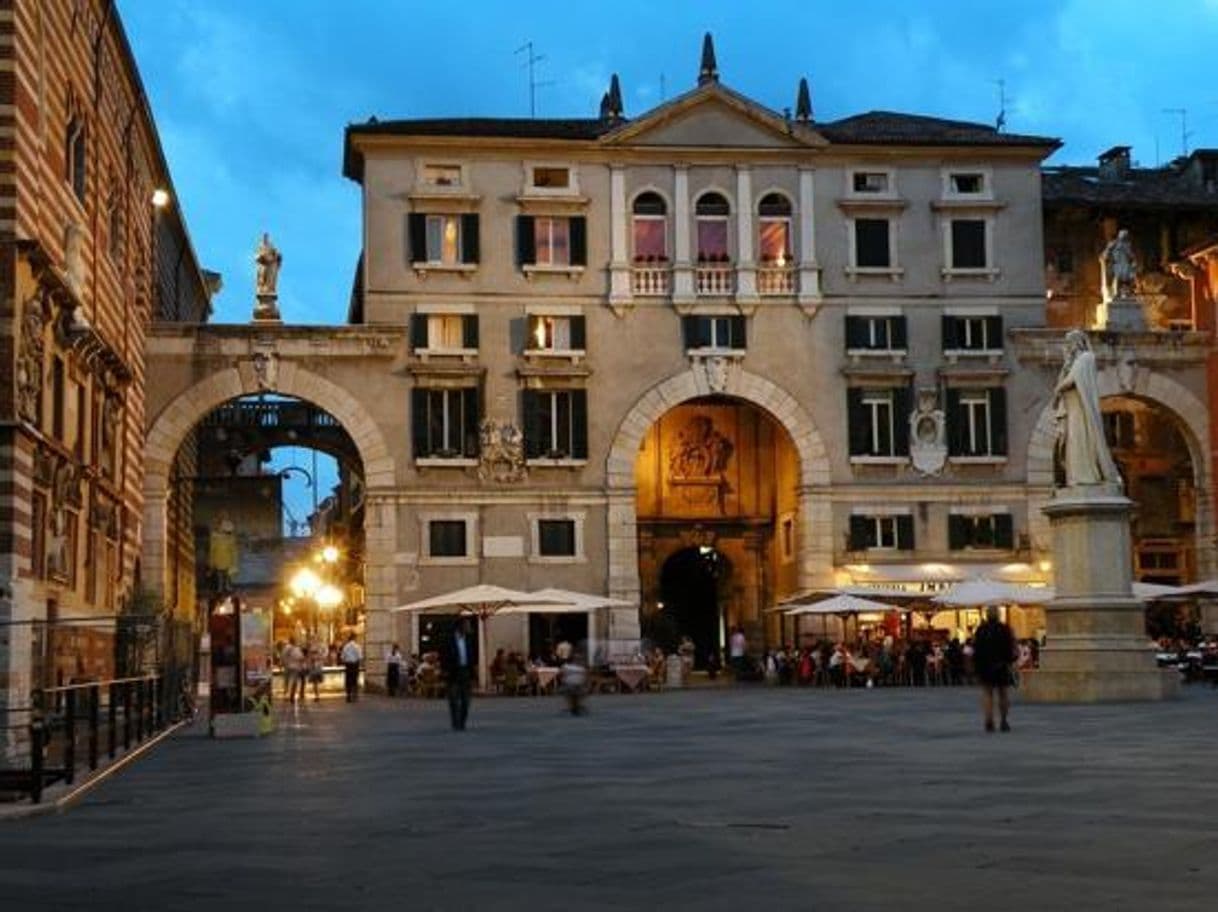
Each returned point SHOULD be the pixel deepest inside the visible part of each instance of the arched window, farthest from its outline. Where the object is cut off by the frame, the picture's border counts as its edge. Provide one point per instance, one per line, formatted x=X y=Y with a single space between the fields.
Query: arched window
x=650 y=228
x=712 y=212
x=774 y=229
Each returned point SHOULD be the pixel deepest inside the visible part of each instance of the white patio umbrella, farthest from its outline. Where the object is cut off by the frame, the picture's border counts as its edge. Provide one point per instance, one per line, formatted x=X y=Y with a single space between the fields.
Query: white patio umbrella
x=980 y=593
x=481 y=601
x=842 y=605
x=565 y=601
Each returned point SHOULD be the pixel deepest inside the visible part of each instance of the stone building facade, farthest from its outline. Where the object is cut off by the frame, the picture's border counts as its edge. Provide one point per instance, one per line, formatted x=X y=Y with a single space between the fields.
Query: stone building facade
x=86 y=261
x=782 y=343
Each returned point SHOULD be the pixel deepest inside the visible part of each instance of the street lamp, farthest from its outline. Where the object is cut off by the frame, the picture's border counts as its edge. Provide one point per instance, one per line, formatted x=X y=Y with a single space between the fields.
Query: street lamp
x=305 y=583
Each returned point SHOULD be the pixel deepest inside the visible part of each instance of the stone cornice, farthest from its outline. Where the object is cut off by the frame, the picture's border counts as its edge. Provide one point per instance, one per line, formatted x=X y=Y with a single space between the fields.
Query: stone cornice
x=1149 y=349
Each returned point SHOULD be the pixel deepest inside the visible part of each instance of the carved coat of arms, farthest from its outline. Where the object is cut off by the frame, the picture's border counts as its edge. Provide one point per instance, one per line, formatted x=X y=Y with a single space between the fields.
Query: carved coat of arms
x=501 y=452
x=928 y=434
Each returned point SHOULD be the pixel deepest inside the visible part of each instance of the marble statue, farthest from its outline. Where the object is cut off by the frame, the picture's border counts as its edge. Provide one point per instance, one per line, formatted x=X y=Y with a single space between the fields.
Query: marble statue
x=1080 y=426
x=1118 y=267
x=268 y=260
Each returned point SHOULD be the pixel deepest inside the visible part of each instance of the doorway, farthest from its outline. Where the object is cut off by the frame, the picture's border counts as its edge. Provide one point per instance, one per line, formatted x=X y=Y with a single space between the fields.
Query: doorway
x=690 y=582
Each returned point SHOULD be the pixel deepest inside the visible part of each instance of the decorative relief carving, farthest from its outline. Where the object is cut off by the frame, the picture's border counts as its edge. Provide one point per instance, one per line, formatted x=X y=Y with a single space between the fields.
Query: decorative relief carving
x=501 y=458
x=266 y=366
x=928 y=433
x=31 y=354
x=697 y=466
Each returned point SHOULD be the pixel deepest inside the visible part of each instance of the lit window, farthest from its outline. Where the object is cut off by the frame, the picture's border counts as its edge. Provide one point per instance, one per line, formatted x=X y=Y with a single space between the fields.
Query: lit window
x=444 y=239
x=549 y=178
x=712 y=212
x=552 y=241
x=556 y=333
x=650 y=228
x=774 y=223
x=442 y=175
x=445 y=332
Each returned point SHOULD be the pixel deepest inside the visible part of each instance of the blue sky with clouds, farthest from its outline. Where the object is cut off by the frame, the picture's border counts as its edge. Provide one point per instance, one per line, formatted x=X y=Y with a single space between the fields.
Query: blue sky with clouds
x=252 y=98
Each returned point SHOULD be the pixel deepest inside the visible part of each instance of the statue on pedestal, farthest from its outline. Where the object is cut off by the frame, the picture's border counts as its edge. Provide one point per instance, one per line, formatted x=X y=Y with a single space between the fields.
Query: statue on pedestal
x=1118 y=267
x=267 y=259
x=1080 y=426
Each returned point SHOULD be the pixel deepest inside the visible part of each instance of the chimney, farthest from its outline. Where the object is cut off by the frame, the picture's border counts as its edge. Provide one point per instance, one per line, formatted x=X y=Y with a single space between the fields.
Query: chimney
x=708 y=71
x=1114 y=164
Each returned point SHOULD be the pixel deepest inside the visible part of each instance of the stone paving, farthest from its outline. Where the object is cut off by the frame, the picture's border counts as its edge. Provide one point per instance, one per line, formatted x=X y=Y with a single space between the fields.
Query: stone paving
x=726 y=799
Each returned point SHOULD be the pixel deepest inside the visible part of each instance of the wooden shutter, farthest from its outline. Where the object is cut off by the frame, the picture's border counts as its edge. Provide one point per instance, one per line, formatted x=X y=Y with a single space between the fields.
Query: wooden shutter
x=1004 y=531
x=739 y=338
x=418 y=331
x=862 y=529
x=579 y=424
x=900 y=332
x=998 y=421
x=470 y=420
x=957 y=428
x=857 y=425
x=469 y=331
x=579 y=337
x=416 y=226
x=530 y=407
x=418 y=422
x=526 y=242
x=905 y=533
x=856 y=332
x=902 y=406
x=957 y=532
x=993 y=332
x=951 y=333
x=579 y=240
x=469 y=237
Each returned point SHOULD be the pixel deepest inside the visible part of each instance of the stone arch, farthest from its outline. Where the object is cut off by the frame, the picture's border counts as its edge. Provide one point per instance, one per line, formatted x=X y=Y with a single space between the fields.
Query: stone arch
x=170 y=427
x=815 y=545
x=1192 y=418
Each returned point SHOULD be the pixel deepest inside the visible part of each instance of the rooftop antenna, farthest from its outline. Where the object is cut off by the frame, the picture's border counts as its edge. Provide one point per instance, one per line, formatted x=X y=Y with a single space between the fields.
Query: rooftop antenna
x=1001 y=120
x=531 y=60
x=1182 y=113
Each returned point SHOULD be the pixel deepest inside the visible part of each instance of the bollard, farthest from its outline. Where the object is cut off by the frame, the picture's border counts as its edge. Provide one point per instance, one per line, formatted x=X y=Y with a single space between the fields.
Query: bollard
x=69 y=730
x=139 y=710
x=94 y=722
x=37 y=733
x=112 y=714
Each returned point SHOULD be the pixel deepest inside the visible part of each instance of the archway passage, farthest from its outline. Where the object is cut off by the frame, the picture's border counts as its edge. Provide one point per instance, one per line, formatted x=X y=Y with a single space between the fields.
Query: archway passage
x=1153 y=456
x=717 y=485
x=690 y=583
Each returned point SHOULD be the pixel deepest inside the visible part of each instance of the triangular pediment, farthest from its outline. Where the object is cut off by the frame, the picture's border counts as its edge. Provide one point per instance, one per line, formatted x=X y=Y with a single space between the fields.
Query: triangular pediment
x=714 y=116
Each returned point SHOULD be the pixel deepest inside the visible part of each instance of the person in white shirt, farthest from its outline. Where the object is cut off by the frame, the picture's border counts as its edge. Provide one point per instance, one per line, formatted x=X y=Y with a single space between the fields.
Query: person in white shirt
x=393 y=669
x=293 y=671
x=736 y=648
x=351 y=657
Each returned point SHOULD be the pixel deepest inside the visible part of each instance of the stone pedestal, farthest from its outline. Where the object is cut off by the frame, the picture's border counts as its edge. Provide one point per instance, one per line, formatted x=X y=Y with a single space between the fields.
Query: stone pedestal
x=1096 y=648
x=1125 y=314
x=266 y=309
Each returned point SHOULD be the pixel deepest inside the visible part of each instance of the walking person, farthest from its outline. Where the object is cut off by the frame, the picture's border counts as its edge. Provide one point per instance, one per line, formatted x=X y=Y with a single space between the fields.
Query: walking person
x=994 y=651
x=315 y=662
x=393 y=670
x=351 y=656
x=456 y=659
x=293 y=671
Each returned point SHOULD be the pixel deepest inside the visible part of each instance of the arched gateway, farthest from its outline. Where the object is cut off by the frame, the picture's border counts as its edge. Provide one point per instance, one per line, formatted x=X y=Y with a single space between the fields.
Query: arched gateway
x=812 y=530
x=169 y=429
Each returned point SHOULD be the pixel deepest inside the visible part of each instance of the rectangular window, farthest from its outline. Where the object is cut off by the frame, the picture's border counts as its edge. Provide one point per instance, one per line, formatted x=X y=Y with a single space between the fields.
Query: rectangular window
x=989 y=530
x=775 y=241
x=650 y=238
x=555 y=424
x=556 y=537
x=552 y=241
x=442 y=175
x=444 y=239
x=878 y=421
x=445 y=423
x=445 y=332
x=877 y=407
x=726 y=333
x=883 y=532
x=968 y=244
x=556 y=333
x=872 y=249
x=867 y=333
x=870 y=182
x=977 y=422
x=967 y=183
x=975 y=334
x=446 y=538
x=550 y=178
x=712 y=240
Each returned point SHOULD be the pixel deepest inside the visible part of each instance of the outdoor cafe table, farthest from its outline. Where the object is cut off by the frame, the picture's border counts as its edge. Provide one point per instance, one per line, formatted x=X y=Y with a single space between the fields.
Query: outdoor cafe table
x=545 y=676
x=633 y=677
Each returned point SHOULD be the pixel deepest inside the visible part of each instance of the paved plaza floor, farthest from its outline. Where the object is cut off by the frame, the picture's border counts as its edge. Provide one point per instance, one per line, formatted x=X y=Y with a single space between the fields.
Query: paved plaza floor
x=747 y=798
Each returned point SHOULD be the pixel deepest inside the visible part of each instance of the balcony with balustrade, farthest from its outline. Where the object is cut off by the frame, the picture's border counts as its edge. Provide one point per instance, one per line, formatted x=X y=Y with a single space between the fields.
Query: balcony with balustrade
x=714 y=279
x=775 y=280
x=650 y=279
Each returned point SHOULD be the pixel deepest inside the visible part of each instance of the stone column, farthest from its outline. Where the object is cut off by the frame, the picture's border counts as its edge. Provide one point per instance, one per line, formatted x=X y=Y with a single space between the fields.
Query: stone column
x=620 y=292
x=808 y=267
x=380 y=583
x=1095 y=648
x=622 y=635
x=746 y=268
x=682 y=267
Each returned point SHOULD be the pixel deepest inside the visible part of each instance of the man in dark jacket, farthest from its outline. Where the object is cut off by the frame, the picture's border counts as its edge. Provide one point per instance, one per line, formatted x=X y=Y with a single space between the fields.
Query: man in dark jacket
x=993 y=653
x=457 y=661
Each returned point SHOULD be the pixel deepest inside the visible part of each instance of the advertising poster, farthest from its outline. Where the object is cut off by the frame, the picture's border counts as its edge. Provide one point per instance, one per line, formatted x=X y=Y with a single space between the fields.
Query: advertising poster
x=255 y=650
